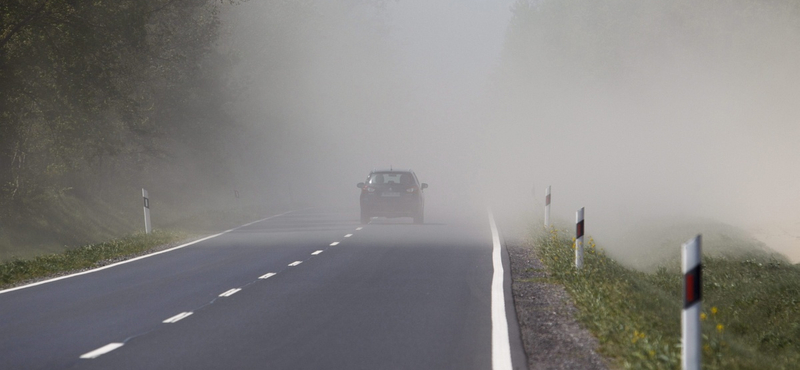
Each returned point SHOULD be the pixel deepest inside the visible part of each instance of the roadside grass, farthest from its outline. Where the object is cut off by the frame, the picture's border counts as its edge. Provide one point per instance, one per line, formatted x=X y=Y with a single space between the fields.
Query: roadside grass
x=751 y=306
x=17 y=271
x=66 y=221
x=35 y=262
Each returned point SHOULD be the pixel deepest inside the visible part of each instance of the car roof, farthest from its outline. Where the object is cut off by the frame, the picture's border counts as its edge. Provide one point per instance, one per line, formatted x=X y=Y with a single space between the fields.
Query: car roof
x=391 y=170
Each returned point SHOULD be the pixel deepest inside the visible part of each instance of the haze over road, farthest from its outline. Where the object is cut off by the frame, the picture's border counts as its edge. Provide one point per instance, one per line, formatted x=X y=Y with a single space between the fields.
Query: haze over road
x=389 y=294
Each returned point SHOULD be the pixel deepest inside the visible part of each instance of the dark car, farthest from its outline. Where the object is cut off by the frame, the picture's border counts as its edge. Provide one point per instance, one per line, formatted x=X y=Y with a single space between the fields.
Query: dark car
x=392 y=193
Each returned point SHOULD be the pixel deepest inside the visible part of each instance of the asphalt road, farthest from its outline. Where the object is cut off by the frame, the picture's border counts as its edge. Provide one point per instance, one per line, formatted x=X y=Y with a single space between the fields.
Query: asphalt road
x=389 y=295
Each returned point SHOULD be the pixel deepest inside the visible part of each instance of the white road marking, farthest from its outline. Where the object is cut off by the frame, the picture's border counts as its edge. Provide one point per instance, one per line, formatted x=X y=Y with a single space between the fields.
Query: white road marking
x=102 y=350
x=267 y=275
x=137 y=258
x=230 y=292
x=348 y=235
x=177 y=317
x=334 y=244
x=295 y=263
x=316 y=253
x=359 y=228
x=501 y=348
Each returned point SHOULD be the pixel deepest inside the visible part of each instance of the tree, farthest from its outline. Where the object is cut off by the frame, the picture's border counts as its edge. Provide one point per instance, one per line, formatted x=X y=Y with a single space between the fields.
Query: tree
x=90 y=88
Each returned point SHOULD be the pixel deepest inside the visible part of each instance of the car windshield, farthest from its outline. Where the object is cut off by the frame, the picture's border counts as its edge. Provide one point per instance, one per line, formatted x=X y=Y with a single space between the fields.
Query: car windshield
x=402 y=178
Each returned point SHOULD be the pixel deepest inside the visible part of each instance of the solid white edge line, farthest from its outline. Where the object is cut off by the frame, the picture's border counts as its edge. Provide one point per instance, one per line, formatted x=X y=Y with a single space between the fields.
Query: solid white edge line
x=267 y=275
x=177 y=317
x=137 y=258
x=102 y=350
x=501 y=348
x=317 y=252
x=295 y=263
x=334 y=244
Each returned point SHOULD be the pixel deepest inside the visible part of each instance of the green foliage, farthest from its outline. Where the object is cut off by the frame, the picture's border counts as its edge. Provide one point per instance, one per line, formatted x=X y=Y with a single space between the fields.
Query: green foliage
x=89 y=256
x=98 y=98
x=750 y=307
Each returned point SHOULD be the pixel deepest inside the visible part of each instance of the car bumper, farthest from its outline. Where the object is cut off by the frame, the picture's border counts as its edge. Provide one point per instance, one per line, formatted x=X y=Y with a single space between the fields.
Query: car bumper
x=381 y=207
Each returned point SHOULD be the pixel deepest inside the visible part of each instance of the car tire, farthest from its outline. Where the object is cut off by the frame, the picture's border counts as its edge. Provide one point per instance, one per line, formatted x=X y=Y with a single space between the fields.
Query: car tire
x=364 y=218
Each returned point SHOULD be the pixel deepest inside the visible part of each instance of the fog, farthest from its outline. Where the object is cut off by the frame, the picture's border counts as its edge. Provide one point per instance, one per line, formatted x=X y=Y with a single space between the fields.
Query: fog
x=645 y=113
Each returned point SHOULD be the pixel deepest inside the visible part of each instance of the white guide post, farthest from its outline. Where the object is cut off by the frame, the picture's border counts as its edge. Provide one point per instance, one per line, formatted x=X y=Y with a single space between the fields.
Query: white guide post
x=547 y=208
x=692 y=299
x=147 y=228
x=579 y=239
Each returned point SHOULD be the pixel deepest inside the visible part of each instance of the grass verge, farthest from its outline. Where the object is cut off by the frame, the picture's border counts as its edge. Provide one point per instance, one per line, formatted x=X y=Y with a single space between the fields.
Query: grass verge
x=751 y=307
x=89 y=256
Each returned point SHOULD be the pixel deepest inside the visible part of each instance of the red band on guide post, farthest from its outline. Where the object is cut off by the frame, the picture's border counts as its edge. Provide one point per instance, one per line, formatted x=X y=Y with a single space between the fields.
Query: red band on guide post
x=692 y=286
x=579 y=229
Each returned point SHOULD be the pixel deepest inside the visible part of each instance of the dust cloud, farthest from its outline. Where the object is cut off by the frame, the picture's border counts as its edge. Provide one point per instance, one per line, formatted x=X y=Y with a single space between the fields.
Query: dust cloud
x=645 y=113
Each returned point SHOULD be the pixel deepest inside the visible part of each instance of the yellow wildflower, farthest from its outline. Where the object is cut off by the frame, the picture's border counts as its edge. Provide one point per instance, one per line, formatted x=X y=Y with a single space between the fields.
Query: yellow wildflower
x=703 y=316
x=720 y=328
x=713 y=310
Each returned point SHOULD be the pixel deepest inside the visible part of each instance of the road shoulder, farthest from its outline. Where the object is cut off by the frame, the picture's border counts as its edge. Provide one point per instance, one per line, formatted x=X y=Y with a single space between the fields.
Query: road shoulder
x=551 y=336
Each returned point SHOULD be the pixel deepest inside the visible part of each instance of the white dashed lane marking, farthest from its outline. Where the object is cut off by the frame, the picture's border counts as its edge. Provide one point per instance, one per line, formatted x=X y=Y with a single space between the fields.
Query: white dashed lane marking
x=230 y=292
x=112 y=346
x=177 y=317
x=102 y=350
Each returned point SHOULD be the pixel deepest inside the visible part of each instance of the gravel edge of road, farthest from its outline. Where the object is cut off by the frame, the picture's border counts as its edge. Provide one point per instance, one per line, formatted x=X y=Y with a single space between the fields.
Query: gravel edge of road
x=551 y=335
